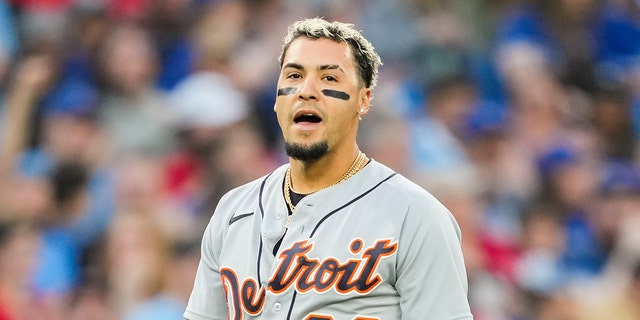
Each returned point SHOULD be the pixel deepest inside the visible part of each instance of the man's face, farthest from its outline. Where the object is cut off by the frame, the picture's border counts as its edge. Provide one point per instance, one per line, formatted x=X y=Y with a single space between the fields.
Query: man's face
x=319 y=99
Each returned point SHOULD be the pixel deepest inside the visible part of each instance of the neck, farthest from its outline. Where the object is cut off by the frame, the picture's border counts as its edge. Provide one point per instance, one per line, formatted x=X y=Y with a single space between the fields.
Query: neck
x=308 y=177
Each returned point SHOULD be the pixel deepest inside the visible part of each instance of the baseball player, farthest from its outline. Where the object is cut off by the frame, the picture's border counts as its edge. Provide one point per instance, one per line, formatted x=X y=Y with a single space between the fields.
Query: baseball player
x=332 y=234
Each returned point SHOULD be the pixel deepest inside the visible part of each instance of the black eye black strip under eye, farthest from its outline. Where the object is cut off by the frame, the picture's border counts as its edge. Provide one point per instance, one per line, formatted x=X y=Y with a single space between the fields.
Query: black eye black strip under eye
x=336 y=94
x=286 y=91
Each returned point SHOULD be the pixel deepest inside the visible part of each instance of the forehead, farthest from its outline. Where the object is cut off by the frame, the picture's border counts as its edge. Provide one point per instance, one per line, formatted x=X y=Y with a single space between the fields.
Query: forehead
x=317 y=52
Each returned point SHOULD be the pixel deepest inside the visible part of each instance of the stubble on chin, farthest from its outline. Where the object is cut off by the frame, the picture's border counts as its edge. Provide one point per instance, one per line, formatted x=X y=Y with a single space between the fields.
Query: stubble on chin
x=307 y=153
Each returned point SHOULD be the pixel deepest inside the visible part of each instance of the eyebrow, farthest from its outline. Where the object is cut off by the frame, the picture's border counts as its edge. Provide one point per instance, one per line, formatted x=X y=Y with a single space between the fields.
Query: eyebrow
x=330 y=67
x=293 y=65
x=321 y=67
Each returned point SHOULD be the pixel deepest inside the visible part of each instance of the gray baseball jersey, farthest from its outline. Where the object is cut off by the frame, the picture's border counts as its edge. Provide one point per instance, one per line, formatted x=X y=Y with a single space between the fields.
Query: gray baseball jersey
x=376 y=246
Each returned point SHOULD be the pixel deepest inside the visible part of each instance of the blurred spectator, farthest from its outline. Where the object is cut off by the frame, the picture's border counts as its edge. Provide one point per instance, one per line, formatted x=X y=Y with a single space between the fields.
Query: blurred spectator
x=209 y=98
x=25 y=195
x=88 y=27
x=439 y=158
x=170 y=21
x=384 y=136
x=614 y=123
x=561 y=30
x=138 y=261
x=135 y=115
x=141 y=187
x=58 y=271
x=211 y=109
x=619 y=227
x=19 y=241
x=66 y=132
x=69 y=132
x=436 y=137
x=619 y=200
x=539 y=270
x=170 y=304
x=621 y=305
x=569 y=183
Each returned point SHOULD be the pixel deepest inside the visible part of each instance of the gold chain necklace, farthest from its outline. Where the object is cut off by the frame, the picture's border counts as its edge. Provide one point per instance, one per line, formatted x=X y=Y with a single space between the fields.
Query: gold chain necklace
x=357 y=165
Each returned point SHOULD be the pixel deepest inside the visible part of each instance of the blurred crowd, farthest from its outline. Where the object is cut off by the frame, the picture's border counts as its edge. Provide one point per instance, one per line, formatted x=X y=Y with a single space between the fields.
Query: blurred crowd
x=122 y=122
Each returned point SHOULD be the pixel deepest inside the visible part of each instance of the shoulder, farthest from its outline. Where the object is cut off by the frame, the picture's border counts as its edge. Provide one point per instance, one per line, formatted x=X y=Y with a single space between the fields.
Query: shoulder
x=244 y=200
x=244 y=194
x=266 y=183
x=399 y=186
x=419 y=206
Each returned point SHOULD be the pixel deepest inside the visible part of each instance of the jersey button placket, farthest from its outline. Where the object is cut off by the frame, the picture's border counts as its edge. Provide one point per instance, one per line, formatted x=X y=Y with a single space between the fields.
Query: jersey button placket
x=277 y=306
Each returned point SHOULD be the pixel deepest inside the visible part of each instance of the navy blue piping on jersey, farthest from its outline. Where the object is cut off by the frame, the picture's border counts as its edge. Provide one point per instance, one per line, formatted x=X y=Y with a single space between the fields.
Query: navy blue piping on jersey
x=295 y=293
x=261 y=216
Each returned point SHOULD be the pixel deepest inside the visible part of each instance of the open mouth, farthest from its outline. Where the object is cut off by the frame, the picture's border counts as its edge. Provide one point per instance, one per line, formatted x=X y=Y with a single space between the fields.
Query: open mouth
x=307 y=117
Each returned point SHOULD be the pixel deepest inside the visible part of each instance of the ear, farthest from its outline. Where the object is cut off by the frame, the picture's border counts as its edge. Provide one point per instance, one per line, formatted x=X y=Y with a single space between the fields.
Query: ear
x=365 y=101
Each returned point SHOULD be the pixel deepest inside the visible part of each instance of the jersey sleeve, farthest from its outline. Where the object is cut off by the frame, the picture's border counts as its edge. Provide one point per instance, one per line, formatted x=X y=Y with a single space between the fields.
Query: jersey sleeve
x=431 y=278
x=207 y=300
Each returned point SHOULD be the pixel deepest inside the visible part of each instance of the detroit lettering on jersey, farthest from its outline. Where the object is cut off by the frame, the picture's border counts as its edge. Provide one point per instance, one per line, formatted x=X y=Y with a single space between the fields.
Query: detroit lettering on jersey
x=297 y=269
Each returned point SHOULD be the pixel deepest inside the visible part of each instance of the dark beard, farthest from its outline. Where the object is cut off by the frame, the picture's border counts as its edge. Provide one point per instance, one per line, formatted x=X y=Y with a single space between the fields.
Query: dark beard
x=306 y=153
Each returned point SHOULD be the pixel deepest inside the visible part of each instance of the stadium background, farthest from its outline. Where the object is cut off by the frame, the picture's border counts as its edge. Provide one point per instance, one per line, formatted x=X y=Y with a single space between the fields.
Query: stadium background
x=123 y=122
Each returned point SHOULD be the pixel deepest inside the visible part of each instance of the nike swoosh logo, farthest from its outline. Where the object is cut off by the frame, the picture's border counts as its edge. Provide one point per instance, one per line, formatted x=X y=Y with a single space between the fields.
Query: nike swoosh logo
x=238 y=217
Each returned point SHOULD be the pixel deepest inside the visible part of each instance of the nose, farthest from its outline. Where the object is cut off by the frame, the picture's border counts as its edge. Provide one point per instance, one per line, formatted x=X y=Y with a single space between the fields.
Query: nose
x=308 y=90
